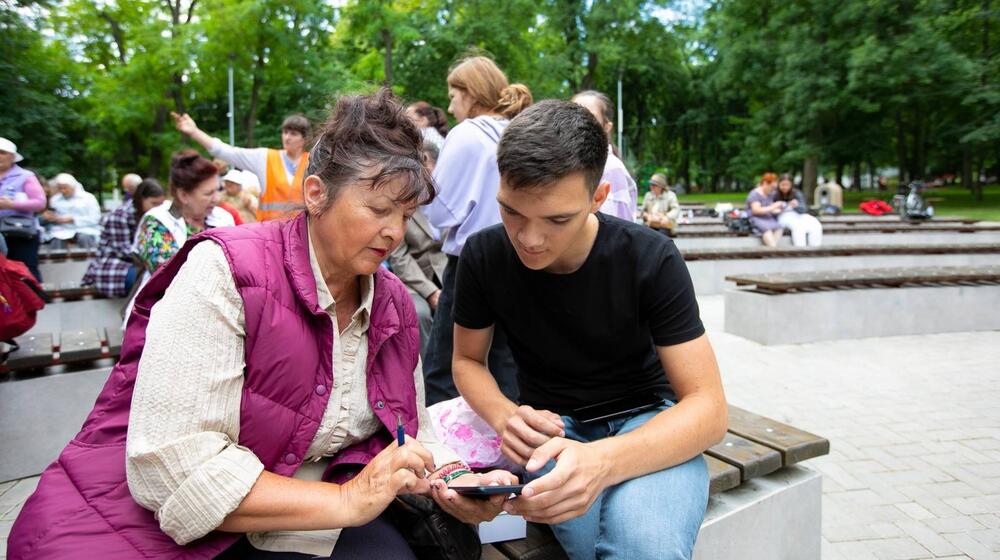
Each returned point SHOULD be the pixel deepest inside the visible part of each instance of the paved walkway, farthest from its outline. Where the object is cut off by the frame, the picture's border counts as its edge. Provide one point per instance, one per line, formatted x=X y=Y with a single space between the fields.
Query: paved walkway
x=914 y=421
x=914 y=425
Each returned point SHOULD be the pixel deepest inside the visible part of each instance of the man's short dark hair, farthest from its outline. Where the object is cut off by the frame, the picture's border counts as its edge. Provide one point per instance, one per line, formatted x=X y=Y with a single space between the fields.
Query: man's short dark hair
x=297 y=123
x=551 y=140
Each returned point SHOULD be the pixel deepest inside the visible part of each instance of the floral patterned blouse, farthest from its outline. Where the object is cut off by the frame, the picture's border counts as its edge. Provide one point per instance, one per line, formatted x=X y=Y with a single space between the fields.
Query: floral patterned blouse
x=155 y=244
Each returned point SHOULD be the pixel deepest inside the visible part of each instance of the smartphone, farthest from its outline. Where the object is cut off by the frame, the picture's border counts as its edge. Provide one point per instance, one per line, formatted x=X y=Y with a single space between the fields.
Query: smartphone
x=622 y=406
x=487 y=491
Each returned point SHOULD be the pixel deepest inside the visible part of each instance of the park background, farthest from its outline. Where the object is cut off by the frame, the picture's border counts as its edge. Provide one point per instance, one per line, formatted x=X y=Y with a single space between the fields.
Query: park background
x=713 y=92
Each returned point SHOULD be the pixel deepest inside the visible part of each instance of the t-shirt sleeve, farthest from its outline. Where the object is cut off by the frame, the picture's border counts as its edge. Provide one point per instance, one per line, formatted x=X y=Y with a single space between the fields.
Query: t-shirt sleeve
x=673 y=310
x=472 y=308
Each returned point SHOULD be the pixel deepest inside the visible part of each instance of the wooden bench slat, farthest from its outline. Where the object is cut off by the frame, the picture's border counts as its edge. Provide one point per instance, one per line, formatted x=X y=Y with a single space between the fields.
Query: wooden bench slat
x=751 y=458
x=722 y=476
x=795 y=445
x=80 y=345
x=35 y=351
x=114 y=336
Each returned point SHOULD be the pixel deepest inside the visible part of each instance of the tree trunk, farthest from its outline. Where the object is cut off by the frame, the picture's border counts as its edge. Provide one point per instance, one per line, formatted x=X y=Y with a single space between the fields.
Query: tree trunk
x=588 y=81
x=387 y=60
x=838 y=173
x=809 y=171
x=856 y=176
x=901 y=148
x=967 y=182
x=977 y=192
x=684 y=170
x=257 y=80
x=155 y=150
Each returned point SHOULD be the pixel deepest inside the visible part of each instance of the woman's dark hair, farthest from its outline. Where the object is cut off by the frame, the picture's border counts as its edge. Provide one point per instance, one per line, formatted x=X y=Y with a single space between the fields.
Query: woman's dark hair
x=188 y=169
x=369 y=139
x=435 y=116
x=778 y=195
x=148 y=188
x=297 y=123
x=549 y=141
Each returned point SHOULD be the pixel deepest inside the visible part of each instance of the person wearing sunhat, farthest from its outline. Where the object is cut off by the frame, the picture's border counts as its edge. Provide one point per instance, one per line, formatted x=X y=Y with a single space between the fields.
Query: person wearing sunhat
x=660 y=209
x=235 y=196
x=21 y=195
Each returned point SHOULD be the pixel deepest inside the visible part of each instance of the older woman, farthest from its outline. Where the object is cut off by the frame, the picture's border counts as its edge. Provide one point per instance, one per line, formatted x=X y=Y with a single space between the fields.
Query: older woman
x=764 y=210
x=194 y=188
x=21 y=196
x=113 y=271
x=74 y=213
x=263 y=372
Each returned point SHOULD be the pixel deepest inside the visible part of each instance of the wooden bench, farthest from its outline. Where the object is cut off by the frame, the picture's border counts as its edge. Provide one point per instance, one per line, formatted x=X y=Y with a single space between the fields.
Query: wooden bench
x=844 y=304
x=870 y=278
x=754 y=447
x=71 y=290
x=731 y=253
x=708 y=230
x=69 y=347
x=47 y=254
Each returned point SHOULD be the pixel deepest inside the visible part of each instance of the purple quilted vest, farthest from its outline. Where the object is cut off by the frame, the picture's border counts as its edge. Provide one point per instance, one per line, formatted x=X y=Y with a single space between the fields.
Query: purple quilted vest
x=83 y=500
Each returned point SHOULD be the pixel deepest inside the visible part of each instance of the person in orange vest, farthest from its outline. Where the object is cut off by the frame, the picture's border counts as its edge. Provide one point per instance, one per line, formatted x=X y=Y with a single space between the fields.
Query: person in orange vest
x=280 y=172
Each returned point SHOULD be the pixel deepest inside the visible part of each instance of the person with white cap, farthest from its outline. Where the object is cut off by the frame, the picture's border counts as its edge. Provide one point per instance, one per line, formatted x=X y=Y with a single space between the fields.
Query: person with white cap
x=74 y=213
x=234 y=195
x=21 y=195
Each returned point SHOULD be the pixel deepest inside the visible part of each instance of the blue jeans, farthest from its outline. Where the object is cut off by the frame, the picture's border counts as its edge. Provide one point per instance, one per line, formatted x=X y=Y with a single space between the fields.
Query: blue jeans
x=656 y=516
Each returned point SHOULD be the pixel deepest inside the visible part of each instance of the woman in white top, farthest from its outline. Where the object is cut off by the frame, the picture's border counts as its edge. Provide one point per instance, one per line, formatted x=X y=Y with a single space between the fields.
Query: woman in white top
x=622 y=199
x=74 y=213
x=806 y=230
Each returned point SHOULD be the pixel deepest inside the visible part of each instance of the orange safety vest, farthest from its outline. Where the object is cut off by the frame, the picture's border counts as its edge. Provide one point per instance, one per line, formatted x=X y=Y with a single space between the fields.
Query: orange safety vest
x=281 y=199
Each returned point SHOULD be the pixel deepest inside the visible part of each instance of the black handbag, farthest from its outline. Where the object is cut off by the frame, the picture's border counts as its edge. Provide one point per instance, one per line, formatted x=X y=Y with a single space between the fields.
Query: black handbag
x=432 y=533
x=18 y=227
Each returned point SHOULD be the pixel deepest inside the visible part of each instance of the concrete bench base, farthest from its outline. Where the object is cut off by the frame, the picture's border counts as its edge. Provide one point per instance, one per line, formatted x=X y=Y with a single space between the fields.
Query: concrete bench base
x=906 y=238
x=860 y=313
x=39 y=416
x=772 y=517
x=709 y=275
x=65 y=271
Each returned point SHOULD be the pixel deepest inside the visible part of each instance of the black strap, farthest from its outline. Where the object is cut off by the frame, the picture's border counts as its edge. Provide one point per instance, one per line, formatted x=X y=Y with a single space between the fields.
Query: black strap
x=11 y=348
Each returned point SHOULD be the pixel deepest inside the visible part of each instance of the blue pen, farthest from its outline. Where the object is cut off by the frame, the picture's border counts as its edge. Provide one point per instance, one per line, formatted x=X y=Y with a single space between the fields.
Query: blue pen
x=400 y=433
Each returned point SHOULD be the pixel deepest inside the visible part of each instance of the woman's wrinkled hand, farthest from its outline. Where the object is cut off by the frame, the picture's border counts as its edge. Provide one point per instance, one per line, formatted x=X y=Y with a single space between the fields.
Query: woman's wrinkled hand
x=396 y=470
x=472 y=510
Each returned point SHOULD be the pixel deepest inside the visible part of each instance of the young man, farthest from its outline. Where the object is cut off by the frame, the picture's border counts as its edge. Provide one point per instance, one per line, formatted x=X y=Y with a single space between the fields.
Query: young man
x=595 y=309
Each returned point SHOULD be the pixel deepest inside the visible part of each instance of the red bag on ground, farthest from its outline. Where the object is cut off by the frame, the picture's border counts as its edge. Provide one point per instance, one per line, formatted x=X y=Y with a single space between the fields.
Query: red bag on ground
x=875 y=207
x=20 y=298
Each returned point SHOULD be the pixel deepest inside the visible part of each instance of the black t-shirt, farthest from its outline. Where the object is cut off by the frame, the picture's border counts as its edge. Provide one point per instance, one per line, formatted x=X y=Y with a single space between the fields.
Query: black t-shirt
x=588 y=336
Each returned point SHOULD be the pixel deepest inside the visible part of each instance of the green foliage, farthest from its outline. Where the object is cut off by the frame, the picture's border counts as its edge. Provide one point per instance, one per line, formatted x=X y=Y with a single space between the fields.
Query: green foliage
x=746 y=86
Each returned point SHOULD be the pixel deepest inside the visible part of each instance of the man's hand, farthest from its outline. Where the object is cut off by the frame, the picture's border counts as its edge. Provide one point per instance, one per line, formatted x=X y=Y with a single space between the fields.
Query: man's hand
x=568 y=491
x=528 y=429
x=184 y=123
x=472 y=510
x=432 y=300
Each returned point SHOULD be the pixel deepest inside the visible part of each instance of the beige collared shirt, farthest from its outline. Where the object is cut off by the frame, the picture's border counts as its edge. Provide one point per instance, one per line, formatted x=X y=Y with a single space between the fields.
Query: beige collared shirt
x=183 y=457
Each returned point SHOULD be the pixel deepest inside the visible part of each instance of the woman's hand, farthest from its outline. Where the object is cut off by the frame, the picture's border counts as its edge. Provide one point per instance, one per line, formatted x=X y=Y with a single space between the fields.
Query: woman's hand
x=184 y=123
x=568 y=491
x=472 y=510
x=526 y=430
x=6 y=203
x=396 y=470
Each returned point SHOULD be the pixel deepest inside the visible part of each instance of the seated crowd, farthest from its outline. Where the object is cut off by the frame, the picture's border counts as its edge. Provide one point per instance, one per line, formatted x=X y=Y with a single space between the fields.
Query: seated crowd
x=279 y=383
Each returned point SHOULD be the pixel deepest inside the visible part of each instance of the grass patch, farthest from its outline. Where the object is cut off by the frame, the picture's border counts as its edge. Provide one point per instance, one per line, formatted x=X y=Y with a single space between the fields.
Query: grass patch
x=952 y=202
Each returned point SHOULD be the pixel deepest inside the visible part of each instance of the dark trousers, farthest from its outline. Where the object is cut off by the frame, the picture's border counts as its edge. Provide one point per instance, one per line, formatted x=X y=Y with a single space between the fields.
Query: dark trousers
x=438 y=382
x=377 y=539
x=26 y=251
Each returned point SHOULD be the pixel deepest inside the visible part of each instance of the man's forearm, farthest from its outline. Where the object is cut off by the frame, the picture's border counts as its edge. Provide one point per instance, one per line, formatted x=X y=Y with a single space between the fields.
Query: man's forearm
x=480 y=390
x=671 y=437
